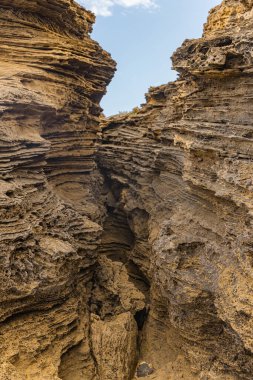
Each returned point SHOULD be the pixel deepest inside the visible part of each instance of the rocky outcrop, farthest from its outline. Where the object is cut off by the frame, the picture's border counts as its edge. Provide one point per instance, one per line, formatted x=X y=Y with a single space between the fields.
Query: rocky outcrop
x=126 y=248
x=52 y=79
x=180 y=170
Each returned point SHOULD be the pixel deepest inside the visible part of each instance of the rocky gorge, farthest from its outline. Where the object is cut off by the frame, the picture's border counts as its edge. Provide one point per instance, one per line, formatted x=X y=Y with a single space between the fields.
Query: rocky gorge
x=126 y=243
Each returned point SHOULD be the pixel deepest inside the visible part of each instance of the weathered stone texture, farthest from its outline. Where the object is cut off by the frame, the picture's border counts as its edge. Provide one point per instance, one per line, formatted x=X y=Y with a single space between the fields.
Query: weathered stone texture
x=52 y=77
x=127 y=253
x=182 y=169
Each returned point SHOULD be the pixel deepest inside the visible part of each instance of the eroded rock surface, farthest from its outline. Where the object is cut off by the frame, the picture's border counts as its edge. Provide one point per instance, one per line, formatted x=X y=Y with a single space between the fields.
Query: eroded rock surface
x=126 y=254
x=181 y=170
x=52 y=77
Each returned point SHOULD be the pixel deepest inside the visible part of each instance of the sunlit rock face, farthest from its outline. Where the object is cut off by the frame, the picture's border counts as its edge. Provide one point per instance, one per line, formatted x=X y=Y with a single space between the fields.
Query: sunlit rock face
x=52 y=77
x=180 y=169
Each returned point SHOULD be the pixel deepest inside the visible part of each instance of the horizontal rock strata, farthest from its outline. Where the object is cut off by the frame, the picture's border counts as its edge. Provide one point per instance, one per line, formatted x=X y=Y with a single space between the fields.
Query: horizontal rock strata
x=52 y=79
x=126 y=247
x=180 y=168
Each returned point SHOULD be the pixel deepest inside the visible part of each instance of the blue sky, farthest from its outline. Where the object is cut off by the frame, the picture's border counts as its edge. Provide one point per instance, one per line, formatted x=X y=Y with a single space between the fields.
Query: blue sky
x=141 y=36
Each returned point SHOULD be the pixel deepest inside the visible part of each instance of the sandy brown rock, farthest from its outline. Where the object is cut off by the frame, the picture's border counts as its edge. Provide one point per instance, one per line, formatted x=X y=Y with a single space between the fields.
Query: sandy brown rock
x=115 y=346
x=132 y=259
x=52 y=77
x=183 y=164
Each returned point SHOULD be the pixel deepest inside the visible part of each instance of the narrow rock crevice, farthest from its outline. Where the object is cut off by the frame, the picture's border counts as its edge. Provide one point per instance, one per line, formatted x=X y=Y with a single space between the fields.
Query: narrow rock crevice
x=120 y=292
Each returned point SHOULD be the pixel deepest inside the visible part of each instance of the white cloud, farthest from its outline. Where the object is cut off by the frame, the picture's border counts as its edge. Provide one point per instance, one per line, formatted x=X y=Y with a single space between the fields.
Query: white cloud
x=104 y=7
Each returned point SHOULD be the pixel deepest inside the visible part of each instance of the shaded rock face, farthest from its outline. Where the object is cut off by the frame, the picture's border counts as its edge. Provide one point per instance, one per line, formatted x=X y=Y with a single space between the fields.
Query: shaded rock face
x=181 y=170
x=124 y=254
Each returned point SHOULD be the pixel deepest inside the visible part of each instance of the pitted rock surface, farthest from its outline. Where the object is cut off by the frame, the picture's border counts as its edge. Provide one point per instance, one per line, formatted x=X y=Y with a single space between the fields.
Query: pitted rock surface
x=182 y=169
x=124 y=241
x=52 y=77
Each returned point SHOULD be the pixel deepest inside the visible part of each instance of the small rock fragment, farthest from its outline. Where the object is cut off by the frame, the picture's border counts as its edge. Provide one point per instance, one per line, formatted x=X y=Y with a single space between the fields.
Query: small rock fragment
x=144 y=369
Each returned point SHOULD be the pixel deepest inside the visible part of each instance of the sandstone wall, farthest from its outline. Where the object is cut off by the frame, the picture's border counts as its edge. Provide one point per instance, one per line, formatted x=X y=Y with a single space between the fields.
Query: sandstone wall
x=180 y=169
x=126 y=253
x=52 y=77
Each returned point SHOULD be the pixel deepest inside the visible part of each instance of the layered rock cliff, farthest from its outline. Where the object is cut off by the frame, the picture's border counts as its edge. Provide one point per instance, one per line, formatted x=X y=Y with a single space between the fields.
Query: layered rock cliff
x=52 y=79
x=180 y=169
x=126 y=248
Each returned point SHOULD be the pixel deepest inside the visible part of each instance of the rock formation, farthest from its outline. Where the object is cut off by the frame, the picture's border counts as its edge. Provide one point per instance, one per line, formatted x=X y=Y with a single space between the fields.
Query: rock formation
x=180 y=169
x=52 y=79
x=126 y=248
